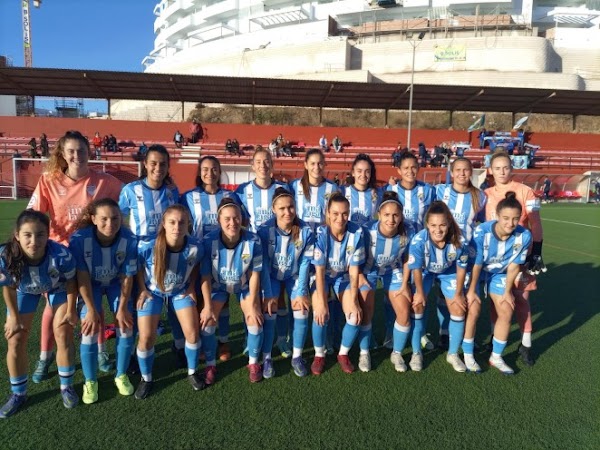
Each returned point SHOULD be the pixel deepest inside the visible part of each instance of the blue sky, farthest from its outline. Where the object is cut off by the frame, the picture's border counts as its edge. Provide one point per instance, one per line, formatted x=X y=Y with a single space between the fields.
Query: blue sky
x=81 y=34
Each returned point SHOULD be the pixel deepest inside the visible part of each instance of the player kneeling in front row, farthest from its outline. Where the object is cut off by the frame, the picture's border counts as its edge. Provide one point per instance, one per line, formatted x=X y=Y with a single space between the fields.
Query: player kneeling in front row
x=106 y=257
x=501 y=247
x=32 y=265
x=440 y=252
x=168 y=270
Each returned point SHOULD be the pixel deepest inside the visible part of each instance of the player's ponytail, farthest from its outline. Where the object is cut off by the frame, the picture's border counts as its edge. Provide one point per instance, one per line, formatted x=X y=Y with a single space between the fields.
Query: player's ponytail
x=282 y=192
x=509 y=201
x=160 y=246
x=14 y=259
x=85 y=218
x=160 y=149
x=304 y=179
x=453 y=234
x=56 y=161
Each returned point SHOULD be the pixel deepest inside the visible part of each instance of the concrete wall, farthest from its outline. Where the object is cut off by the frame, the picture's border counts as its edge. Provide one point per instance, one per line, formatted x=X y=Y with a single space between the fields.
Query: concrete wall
x=8 y=105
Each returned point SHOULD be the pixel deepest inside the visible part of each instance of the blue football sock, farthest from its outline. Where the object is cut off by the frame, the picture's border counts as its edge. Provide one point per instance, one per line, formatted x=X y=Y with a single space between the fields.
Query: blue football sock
x=209 y=345
x=269 y=332
x=457 y=331
x=468 y=346
x=364 y=337
x=65 y=373
x=319 y=334
x=88 y=353
x=300 y=329
x=417 y=322
x=192 y=351
x=282 y=324
x=124 y=349
x=498 y=346
x=255 y=336
x=146 y=362
x=224 y=325
x=349 y=334
x=400 y=336
x=18 y=385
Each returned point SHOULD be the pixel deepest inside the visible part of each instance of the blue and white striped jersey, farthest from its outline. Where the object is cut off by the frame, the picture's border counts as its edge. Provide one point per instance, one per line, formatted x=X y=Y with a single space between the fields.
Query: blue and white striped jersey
x=461 y=206
x=363 y=204
x=312 y=211
x=337 y=256
x=145 y=206
x=231 y=268
x=495 y=255
x=104 y=264
x=283 y=257
x=384 y=255
x=257 y=201
x=415 y=202
x=203 y=208
x=179 y=266
x=51 y=275
x=425 y=255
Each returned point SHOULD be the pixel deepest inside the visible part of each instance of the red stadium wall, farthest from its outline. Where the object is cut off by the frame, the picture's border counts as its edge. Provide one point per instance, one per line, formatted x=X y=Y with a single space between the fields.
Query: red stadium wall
x=252 y=134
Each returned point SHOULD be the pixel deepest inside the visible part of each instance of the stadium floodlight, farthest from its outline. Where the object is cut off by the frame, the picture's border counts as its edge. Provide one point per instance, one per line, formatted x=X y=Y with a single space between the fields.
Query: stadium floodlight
x=415 y=43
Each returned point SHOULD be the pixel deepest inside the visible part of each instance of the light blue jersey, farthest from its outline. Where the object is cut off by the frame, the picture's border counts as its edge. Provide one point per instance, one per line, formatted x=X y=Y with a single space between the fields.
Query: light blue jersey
x=105 y=265
x=461 y=206
x=51 y=275
x=179 y=266
x=338 y=256
x=203 y=208
x=384 y=254
x=425 y=255
x=415 y=202
x=495 y=255
x=363 y=204
x=312 y=211
x=145 y=206
x=284 y=258
x=257 y=201
x=231 y=268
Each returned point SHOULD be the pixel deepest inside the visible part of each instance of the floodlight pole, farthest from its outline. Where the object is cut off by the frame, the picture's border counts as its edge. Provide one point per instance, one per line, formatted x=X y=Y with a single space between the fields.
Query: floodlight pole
x=415 y=44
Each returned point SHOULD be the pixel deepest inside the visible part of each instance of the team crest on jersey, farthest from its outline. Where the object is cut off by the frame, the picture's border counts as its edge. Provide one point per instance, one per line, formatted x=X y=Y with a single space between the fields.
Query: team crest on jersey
x=32 y=202
x=318 y=254
x=516 y=247
x=451 y=256
x=298 y=244
x=464 y=258
x=421 y=196
x=52 y=271
x=245 y=257
x=349 y=250
x=190 y=260
x=327 y=197
x=411 y=259
x=120 y=256
x=91 y=190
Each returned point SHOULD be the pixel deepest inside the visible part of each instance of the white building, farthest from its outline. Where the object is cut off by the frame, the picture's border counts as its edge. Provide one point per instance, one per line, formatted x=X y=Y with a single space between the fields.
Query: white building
x=519 y=43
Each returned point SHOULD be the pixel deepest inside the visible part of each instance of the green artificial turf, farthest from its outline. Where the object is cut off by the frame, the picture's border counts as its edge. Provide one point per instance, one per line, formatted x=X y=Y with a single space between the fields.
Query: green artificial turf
x=555 y=404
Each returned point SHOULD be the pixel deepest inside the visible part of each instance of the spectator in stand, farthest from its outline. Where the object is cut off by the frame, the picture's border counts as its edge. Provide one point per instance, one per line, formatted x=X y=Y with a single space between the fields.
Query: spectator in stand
x=33 y=148
x=178 y=139
x=229 y=147
x=286 y=149
x=44 y=145
x=196 y=133
x=279 y=140
x=323 y=144
x=546 y=190
x=236 y=147
x=423 y=156
x=337 y=144
x=143 y=150
x=521 y=136
x=482 y=135
x=112 y=143
x=97 y=143
x=105 y=143
x=349 y=180
x=336 y=179
x=273 y=149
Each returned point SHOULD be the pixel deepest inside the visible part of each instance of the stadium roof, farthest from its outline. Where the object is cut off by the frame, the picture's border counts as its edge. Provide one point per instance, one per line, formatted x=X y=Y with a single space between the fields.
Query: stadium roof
x=289 y=92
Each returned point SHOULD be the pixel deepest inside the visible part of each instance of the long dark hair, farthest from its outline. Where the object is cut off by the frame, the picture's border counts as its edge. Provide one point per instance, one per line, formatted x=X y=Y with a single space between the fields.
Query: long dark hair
x=509 y=201
x=475 y=193
x=160 y=149
x=392 y=197
x=364 y=157
x=453 y=234
x=404 y=156
x=199 y=182
x=283 y=192
x=304 y=179
x=13 y=253
x=85 y=218
x=160 y=246
x=336 y=197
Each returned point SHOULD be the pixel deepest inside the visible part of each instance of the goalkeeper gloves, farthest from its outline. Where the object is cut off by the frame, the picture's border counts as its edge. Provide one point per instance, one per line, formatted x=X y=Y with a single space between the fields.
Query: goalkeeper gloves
x=535 y=263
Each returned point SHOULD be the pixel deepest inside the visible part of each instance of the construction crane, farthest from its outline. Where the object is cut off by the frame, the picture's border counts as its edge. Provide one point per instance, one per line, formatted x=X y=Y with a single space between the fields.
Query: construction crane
x=26 y=104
